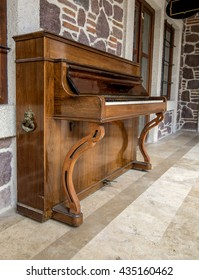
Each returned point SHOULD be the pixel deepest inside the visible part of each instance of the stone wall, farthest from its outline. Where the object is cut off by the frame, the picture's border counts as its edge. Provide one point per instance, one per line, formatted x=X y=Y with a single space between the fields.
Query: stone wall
x=5 y=173
x=189 y=83
x=97 y=23
x=165 y=127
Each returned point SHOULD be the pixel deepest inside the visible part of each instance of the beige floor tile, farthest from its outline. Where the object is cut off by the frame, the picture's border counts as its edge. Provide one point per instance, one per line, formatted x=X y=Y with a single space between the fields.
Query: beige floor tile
x=26 y=238
x=141 y=215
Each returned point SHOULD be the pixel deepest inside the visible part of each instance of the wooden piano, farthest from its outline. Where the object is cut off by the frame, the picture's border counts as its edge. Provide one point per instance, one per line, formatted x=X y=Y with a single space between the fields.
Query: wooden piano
x=77 y=123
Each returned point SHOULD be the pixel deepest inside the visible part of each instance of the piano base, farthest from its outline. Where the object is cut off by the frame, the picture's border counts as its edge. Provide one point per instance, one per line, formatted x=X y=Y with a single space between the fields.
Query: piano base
x=141 y=165
x=97 y=132
x=33 y=213
x=61 y=214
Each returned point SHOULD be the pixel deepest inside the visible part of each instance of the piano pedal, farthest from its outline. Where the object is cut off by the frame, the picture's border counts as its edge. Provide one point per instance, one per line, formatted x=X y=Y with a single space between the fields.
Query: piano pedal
x=107 y=182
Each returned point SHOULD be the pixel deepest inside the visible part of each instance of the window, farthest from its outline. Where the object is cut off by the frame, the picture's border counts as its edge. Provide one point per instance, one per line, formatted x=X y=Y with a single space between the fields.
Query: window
x=167 y=60
x=143 y=40
x=143 y=46
x=136 y=31
x=3 y=53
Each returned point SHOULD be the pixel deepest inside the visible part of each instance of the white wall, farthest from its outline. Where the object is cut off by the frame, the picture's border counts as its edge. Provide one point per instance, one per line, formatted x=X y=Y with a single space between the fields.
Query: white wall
x=129 y=22
x=23 y=17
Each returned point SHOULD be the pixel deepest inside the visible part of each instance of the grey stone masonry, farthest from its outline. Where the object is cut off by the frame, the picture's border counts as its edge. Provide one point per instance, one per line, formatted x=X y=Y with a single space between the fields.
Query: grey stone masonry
x=5 y=198
x=5 y=172
x=165 y=127
x=189 y=76
x=97 y=23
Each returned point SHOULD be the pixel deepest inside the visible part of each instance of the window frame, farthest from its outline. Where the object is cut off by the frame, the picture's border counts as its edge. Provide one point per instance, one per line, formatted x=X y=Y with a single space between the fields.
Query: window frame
x=167 y=28
x=3 y=52
x=143 y=6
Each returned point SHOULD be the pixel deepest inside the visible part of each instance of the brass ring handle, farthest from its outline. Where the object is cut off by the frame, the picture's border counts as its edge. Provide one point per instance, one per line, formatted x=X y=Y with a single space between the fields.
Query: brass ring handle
x=28 y=124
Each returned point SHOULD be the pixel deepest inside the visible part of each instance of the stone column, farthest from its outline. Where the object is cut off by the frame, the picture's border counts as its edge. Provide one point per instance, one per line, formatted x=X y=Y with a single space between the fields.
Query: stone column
x=189 y=86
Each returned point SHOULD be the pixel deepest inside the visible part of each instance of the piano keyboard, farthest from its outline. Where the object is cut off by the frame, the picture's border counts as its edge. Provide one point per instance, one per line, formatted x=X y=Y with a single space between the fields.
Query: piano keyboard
x=129 y=102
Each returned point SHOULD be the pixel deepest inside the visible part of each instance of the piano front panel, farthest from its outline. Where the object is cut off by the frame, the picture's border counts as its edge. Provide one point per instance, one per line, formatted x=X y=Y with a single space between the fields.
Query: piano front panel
x=112 y=156
x=131 y=109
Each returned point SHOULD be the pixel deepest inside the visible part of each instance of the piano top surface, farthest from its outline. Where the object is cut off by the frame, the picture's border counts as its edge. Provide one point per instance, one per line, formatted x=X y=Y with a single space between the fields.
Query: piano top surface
x=47 y=46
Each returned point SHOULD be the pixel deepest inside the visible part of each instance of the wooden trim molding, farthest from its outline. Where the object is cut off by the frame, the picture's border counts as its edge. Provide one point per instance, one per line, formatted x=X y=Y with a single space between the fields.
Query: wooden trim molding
x=3 y=52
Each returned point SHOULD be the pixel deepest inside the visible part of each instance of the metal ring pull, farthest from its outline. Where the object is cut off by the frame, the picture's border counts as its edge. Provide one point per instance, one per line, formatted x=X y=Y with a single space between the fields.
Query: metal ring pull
x=28 y=124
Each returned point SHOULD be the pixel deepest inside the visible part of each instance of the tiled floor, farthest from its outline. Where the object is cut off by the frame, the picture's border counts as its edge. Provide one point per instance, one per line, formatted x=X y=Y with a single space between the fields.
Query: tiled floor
x=151 y=215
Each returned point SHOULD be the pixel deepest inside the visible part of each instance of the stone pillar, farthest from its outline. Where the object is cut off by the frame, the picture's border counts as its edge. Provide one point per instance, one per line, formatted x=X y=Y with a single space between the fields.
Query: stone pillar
x=189 y=85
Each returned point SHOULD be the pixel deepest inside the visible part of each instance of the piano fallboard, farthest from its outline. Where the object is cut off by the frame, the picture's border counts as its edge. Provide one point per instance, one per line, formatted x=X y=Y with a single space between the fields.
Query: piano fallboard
x=98 y=109
x=131 y=108
x=91 y=94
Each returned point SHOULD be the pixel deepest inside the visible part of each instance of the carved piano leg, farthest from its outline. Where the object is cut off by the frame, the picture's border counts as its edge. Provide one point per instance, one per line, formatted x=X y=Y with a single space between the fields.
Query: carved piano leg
x=122 y=128
x=69 y=212
x=146 y=165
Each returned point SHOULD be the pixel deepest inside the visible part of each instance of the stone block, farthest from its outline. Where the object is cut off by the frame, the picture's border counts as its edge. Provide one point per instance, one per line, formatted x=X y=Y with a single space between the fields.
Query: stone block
x=102 y=28
x=83 y=38
x=195 y=28
x=192 y=38
x=118 y=13
x=5 y=143
x=83 y=3
x=95 y=7
x=108 y=8
x=193 y=84
x=5 y=167
x=52 y=21
x=185 y=96
x=188 y=73
x=193 y=106
x=190 y=126
x=192 y=60
x=187 y=113
x=117 y=33
x=81 y=19
x=69 y=4
x=5 y=198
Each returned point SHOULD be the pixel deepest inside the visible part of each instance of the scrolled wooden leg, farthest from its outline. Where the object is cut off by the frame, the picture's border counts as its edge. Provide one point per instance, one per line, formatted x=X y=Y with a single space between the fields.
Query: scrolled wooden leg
x=124 y=133
x=146 y=165
x=72 y=209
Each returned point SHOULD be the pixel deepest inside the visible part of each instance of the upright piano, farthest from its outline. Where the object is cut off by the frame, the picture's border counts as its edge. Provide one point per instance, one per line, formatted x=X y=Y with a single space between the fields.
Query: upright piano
x=77 y=123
